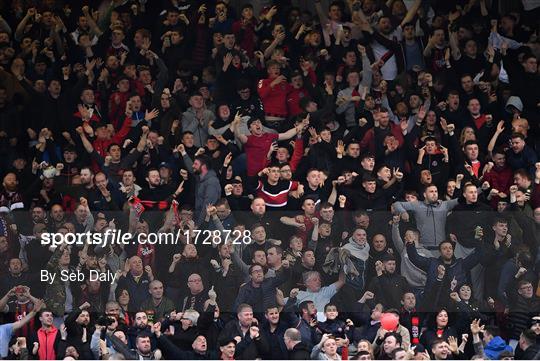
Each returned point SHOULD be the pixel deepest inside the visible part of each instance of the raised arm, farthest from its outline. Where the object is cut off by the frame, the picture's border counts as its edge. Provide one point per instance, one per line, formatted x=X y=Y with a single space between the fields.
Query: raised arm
x=288 y=134
x=86 y=143
x=411 y=12
x=91 y=22
x=493 y=141
x=19 y=31
x=244 y=268
x=333 y=195
x=29 y=316
x=4 y=300
x=340 y=282
x=4 y=26
x=403 y=207
x=367 y=71
x=294 y=131
x=235 y=128
x=453 y=41
x=185 y=157
x=429 y=47
x=323 y=18
x=396 y=236
x=419 y=261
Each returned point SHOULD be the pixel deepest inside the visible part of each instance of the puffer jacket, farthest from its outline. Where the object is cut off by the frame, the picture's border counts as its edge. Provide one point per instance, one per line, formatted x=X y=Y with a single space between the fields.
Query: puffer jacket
x=521 y=313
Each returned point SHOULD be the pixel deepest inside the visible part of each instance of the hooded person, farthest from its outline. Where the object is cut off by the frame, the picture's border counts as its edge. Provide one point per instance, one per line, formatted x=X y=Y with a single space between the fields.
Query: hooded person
x=514 y=105
x=358 y=247
x=494 y=348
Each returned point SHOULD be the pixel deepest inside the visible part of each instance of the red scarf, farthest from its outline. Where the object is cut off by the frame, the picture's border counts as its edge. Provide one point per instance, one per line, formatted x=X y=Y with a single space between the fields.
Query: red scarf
x=141 y=205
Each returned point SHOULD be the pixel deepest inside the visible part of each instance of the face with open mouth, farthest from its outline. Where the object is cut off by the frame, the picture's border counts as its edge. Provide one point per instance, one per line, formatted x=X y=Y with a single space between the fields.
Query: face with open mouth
x=256 y=127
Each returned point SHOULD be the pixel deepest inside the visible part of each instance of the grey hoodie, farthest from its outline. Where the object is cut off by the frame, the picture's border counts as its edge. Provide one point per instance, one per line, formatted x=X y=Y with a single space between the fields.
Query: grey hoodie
x=413 y=274
x=199 y=127
x=207 y=190
x=430 y=219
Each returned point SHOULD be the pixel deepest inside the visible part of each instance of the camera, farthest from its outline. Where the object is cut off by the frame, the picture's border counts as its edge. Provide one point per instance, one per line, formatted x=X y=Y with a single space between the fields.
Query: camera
x=104 y=320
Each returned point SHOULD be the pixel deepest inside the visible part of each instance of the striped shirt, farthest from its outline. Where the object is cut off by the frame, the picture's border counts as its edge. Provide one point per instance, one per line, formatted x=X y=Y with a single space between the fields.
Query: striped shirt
x=276 y=196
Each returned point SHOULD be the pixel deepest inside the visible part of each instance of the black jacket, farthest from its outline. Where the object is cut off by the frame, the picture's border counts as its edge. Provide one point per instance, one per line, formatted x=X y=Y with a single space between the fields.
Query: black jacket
x=247 y=348
x=521 y=313
x=388 y=289
x=300 y=352
x=173 y=352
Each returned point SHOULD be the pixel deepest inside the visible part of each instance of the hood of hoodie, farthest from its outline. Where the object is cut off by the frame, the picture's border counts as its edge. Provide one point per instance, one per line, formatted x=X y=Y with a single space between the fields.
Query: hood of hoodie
x=515 y=102
x=495 y=347
x=357 y=251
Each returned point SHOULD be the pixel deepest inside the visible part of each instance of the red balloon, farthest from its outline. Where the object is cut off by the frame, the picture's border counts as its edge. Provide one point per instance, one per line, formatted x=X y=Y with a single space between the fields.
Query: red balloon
x=389 y=321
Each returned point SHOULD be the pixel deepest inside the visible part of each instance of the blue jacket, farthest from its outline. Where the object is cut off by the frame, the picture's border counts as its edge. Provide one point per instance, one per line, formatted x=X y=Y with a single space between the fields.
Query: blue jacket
x=494 y=347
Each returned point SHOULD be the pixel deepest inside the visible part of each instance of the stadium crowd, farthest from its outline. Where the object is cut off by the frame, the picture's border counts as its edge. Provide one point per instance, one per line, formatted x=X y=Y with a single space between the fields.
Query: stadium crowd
x=355 y=179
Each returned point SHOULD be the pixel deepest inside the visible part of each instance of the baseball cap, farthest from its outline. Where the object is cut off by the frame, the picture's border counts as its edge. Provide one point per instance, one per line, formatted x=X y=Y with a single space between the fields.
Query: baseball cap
x=165 y=165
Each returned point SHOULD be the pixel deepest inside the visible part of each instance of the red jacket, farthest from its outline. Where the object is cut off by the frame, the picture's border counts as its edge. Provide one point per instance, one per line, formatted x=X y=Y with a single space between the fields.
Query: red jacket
x=100 y=145
x=47 y=343
x=274 y=99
